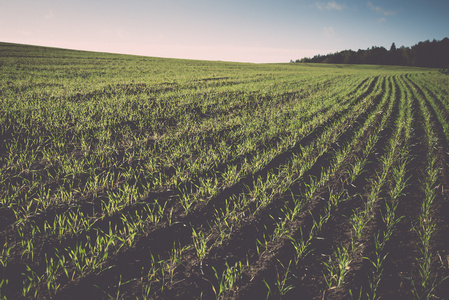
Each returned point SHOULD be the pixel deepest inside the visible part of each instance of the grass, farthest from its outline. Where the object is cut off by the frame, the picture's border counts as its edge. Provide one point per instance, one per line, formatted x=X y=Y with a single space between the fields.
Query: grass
x=177 y=167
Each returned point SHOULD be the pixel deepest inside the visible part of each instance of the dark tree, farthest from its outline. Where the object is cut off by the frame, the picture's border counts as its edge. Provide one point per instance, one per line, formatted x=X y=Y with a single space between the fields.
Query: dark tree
x=434 y=54
x=393 y=48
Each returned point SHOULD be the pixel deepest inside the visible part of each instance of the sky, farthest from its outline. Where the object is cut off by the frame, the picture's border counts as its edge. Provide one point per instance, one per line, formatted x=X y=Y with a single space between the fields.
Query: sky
x=228 y=30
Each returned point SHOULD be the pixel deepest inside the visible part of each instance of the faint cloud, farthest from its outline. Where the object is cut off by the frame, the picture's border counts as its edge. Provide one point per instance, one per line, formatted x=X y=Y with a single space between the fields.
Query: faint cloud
x=121 y=33
x=331 y=5
x=382 y=20
x=49 y=15
x=25 y=33
x=381 y=10
x=328 y=31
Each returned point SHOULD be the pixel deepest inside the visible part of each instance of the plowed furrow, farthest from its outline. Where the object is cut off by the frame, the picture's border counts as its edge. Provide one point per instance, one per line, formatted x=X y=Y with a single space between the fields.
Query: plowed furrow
x=183 y=233
x=366 y=249
x=401 y=261
x=253 y=230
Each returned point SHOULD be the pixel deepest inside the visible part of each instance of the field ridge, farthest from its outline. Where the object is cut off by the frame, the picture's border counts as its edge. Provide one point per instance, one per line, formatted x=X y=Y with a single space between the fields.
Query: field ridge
x=138 y=177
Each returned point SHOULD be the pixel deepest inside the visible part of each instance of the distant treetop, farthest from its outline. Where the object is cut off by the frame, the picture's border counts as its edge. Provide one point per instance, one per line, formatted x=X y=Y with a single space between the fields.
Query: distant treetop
x=433 y=54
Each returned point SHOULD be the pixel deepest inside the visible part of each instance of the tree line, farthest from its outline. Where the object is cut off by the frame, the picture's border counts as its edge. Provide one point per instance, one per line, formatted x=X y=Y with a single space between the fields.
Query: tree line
x=432 y=54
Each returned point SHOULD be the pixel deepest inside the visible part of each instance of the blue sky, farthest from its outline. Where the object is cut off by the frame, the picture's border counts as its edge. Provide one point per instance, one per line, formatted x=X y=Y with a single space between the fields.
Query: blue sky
x=229 y=30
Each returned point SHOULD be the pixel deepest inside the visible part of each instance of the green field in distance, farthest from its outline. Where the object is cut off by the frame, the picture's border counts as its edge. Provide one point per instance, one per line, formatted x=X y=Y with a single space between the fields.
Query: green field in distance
x=152 y=178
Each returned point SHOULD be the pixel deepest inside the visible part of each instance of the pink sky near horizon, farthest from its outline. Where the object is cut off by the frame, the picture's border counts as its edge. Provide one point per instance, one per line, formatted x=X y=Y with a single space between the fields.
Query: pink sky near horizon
x=234 y=30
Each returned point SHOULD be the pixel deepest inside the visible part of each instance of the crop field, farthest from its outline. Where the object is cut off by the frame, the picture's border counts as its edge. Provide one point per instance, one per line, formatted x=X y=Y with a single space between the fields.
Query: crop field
x=149 y=178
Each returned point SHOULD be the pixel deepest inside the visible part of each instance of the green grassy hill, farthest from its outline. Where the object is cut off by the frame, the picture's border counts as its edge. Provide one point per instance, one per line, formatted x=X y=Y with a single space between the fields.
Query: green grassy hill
x=139 y=177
